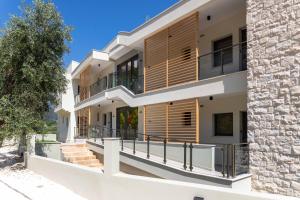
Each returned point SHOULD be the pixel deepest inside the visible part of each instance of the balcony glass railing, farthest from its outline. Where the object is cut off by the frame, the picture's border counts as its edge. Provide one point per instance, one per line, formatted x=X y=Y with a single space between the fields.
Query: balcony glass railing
x=133 y=83
x=224 y=61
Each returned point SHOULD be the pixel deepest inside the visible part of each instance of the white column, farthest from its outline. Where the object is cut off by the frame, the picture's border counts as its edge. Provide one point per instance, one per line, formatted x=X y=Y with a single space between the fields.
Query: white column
x=111 y=156
x=72 y=126
x=31 y=144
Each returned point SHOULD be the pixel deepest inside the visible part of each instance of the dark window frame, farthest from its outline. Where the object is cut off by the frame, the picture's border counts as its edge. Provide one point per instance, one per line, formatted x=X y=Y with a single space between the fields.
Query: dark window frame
x=227 y=51
x=104 y=119
x=128 y=73
x=187 y=118
x=215 y=116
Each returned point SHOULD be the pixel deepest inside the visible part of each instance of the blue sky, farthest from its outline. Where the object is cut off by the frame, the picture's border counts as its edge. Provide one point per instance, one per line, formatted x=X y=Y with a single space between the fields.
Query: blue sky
x=95 y=22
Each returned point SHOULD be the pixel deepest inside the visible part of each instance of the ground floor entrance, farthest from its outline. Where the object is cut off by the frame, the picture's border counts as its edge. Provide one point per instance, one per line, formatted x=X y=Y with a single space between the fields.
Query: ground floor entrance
x=127 y=122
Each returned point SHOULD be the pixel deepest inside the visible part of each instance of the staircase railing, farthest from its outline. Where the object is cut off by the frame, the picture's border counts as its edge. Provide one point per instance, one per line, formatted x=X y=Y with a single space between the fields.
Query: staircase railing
x=234 y=157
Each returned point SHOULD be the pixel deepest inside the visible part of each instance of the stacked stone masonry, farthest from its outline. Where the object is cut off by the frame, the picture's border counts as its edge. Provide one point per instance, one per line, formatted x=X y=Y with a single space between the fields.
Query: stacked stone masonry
x=274 y=95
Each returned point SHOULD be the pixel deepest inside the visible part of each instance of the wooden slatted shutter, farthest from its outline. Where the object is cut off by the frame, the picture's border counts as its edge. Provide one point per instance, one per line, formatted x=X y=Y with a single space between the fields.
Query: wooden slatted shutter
x=182 y=51
x=171 y=55
x=156 y=61
x=155 y=119
x=182 y=121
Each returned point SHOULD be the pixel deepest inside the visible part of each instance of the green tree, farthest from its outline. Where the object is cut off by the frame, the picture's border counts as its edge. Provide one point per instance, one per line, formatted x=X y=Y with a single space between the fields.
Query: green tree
x=32 y=46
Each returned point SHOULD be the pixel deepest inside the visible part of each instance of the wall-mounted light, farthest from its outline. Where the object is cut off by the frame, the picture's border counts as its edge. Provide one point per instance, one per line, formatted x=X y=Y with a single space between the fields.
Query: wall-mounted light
x=198 y=198
x=211 y=98
x=112 y=101
x=171 y=103
x=99 y=65
x=99 y=105
x=201 y=106
x=208 y=17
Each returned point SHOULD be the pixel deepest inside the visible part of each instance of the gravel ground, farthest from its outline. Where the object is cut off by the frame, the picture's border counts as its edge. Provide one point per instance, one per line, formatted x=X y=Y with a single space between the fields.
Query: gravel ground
x=19 y=183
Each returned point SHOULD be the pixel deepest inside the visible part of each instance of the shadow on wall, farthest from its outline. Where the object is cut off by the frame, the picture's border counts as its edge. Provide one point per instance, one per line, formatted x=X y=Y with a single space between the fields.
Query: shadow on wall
x=48 y=149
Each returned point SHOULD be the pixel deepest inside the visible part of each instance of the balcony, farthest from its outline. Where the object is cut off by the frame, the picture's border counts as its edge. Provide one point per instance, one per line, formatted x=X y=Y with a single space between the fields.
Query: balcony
x=224 y=61
x=218 y=160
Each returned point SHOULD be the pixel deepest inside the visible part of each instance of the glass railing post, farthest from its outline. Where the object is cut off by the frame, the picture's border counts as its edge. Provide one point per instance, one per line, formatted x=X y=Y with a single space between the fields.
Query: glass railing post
x=191 y=156
x=148 y=146
x=165 y=151
x=184 y=156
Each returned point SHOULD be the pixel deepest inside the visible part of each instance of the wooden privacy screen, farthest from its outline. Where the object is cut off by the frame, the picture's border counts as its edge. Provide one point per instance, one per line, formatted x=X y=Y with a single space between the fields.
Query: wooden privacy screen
x=156 y=61
x=83 y=121
x=156 y=119
x=178 y=121
x=84 y=84
x=171 y=55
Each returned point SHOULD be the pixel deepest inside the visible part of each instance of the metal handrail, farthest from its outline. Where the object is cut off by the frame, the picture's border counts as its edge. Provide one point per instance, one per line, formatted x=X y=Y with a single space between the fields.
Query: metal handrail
x=229 y=152
x=220 y=50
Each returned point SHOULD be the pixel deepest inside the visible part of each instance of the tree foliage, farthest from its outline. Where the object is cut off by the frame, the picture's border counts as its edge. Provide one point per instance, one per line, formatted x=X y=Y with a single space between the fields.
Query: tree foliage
x=32 y=46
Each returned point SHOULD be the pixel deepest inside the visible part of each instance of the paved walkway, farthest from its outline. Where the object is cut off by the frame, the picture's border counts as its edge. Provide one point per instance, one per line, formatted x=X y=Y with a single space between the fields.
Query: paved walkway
x=18 y=183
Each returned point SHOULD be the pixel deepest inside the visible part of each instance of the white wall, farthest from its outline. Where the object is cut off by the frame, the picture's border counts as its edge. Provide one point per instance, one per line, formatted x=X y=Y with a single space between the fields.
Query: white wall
x=62 y=126
x=228 y=26
x=93 y=184
x=234 y=104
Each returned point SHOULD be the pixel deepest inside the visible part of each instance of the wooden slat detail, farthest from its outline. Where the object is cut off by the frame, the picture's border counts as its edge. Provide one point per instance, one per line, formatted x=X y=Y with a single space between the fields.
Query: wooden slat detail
x=182 y=55
x=84 y=84
x=171 y=55
x=156 y=61
x=155 y=119
x=177 y=121
x=182 y=123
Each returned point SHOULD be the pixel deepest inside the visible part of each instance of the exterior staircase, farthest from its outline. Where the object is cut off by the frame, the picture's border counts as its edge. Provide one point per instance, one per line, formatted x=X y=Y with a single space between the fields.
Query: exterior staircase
x=79 y=154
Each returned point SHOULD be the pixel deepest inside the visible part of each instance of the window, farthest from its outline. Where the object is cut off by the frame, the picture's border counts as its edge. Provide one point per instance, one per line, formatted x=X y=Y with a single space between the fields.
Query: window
x=187 y=118
x=127 y=73
x=222 y=51
x=223 y=124
x=186 y=53
x=104 y=119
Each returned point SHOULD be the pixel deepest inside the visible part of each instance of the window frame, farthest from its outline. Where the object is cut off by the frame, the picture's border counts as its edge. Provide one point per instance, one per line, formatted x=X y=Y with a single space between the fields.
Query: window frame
x=104 y=121
x=215 y=125
x=187 y=118
x=214 y=51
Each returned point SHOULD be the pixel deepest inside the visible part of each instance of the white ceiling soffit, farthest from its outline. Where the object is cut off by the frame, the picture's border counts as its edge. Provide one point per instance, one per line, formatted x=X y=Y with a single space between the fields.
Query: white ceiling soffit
x=100 y=57
x=168 y=17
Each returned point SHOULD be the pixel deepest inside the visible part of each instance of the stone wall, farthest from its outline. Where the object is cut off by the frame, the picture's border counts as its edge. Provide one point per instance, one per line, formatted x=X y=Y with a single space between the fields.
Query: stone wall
x=274 y=95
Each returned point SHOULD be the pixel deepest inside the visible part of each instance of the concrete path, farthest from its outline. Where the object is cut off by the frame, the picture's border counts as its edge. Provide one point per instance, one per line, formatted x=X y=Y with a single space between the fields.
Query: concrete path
x=19 y=183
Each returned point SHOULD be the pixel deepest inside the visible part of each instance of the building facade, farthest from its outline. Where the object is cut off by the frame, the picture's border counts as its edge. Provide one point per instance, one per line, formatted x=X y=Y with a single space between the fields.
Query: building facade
x=203 y=72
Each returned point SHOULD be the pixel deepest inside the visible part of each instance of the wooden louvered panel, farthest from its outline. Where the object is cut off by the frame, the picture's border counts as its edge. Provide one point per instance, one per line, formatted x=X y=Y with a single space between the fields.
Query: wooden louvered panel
x=155 y=120
x=182 y=121
x=178 y=121
x=171 y=56
x=156 y=61
x=182 y=51
x=84 y=84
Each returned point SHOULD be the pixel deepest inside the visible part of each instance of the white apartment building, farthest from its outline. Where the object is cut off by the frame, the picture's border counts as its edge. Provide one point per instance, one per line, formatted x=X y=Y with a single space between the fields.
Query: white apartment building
x=202 y=72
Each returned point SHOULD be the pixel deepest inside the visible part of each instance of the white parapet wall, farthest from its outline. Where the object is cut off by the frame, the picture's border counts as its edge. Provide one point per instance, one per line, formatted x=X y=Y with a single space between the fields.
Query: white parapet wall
x=93 y=184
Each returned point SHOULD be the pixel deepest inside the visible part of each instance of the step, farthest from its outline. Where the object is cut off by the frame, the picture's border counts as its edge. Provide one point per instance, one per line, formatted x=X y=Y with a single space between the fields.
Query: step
x=78 y=151
x=72 y=148
x=73 y=145
x=78 y=158
x=96 y=165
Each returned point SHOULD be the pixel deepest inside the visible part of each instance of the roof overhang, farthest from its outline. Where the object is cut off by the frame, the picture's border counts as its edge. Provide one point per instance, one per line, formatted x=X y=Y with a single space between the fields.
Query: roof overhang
x=94 y=57
x=163 y=20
